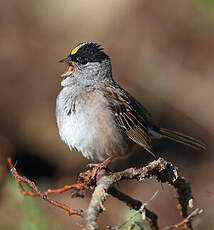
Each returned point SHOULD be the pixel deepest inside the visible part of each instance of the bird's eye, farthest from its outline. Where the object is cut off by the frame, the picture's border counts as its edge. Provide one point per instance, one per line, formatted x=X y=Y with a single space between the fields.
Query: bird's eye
x=83 y=61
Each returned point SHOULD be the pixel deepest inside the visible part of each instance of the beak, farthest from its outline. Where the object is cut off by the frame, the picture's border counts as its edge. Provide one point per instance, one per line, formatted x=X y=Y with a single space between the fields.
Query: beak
x=67 y=59
x=71 y=67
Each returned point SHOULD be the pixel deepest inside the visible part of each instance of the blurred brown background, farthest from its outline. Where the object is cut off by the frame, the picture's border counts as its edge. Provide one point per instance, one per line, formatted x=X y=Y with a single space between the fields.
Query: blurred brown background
x=163 y=53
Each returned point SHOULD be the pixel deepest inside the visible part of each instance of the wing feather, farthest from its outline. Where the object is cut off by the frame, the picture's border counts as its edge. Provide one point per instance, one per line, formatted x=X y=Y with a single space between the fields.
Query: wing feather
x=129 y=116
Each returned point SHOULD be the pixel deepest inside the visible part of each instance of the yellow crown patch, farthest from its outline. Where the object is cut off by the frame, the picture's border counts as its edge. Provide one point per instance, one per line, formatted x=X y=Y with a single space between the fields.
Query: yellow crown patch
x=73 y=51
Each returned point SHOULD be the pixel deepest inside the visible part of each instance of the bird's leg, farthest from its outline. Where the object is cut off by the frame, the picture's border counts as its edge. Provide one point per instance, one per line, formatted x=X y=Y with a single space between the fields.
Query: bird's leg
x=99 y=166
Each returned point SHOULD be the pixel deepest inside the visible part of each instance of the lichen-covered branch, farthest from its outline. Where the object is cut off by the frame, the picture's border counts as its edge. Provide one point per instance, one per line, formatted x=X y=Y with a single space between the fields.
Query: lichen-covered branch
x=96 y=205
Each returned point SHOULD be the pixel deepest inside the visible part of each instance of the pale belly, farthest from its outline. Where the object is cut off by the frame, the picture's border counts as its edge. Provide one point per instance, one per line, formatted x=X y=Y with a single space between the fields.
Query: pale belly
x=91 y=129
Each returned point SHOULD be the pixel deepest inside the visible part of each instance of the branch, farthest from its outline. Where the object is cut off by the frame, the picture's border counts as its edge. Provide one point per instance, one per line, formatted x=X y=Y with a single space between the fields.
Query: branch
x=164 y=172
x=103 y=184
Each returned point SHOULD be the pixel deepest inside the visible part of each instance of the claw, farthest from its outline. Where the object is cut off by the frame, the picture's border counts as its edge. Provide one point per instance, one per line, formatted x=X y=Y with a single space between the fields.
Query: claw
x=99 y=166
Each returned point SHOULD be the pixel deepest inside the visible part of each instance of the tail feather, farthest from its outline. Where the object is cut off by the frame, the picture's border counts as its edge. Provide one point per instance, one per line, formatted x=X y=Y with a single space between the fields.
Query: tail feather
x=181 y=138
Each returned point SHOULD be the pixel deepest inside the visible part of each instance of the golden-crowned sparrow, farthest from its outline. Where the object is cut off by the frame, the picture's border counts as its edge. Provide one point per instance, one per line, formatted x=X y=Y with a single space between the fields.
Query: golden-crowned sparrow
x=97 y=117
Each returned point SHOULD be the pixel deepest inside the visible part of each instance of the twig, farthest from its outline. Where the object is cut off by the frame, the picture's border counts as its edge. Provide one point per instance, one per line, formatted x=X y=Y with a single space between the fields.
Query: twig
x=182 y=223
x=136 y=223
x=152 y=218
x=37 y=192
x=141 y=210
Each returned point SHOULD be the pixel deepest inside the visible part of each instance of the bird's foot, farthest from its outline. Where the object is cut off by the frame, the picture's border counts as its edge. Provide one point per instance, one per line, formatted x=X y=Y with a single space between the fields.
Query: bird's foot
x=99 y=166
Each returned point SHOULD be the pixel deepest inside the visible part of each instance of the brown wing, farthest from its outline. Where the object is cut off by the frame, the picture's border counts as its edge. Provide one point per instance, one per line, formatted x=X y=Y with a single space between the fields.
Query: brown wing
x=129 y=116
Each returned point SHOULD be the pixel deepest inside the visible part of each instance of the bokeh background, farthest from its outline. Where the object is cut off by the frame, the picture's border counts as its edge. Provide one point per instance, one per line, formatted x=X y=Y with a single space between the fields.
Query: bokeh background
x=161 y=52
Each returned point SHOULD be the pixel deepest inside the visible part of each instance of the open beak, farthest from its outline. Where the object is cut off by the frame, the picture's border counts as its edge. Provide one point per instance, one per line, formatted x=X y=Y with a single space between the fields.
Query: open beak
x=71 y=67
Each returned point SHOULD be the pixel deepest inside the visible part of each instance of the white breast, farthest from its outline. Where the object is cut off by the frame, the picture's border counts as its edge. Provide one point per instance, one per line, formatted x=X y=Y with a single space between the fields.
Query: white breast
x=90 y=127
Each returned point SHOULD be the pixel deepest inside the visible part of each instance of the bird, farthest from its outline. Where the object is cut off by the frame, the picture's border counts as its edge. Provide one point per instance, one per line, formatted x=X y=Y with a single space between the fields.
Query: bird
x=100 y=119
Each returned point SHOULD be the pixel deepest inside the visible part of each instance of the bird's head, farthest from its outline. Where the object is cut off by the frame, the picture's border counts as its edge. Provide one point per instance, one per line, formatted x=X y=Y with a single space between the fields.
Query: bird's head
x=87 y=64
